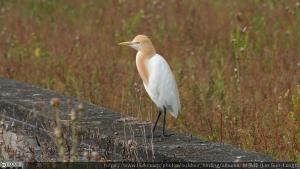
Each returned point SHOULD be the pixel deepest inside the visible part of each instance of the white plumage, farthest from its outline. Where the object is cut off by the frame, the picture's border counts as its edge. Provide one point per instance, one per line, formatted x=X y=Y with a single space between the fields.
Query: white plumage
x=162 y=87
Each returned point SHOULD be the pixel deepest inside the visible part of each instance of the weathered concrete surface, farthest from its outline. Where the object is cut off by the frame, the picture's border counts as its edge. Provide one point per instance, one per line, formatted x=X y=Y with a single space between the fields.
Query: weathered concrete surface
x=116 y=136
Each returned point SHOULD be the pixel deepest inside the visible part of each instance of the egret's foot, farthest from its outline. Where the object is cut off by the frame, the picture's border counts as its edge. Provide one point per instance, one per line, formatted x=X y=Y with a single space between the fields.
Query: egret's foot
x=151 y=136
x=167 y=134
x=156 y=135
x=163 y=135
x=159 y=137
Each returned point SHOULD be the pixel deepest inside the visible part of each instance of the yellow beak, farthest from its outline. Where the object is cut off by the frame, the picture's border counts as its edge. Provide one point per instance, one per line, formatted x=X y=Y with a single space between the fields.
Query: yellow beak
x=126 y=43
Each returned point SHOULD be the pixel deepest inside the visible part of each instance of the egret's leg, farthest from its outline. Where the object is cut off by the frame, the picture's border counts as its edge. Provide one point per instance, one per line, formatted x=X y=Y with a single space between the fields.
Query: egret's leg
x=164 y=134
x=157 y=118
x=164 y=123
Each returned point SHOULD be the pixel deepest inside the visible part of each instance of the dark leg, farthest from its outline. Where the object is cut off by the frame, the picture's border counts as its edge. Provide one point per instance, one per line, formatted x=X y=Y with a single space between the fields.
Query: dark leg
x=157 y=118
x=164 y=125
x=164 y=134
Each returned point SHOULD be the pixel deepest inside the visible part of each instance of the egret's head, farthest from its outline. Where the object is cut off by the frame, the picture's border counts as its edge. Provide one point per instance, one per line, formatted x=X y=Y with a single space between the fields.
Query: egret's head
x=140 y=43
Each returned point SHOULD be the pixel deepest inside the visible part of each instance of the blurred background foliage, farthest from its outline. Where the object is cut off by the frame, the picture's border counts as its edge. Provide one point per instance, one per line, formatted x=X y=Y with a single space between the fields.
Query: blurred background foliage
x=237 y=63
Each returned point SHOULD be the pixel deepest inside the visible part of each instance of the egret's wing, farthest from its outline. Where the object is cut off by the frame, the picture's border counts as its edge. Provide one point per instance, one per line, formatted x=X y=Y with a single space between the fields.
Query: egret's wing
x=162 y=86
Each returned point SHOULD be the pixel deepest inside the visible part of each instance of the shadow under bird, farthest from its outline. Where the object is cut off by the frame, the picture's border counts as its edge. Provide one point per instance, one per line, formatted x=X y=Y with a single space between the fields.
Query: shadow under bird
x=157 y=77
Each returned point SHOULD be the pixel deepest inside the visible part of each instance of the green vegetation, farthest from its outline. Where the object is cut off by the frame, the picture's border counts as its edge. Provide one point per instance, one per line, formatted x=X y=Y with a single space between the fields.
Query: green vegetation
x=237 y=63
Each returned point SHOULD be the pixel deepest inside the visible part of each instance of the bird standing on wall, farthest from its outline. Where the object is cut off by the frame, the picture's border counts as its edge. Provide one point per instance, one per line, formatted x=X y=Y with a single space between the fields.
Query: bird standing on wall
x=157 y=77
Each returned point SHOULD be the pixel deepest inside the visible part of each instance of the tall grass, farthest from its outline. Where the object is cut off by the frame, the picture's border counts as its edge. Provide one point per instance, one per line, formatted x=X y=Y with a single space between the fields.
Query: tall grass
x=236 y=62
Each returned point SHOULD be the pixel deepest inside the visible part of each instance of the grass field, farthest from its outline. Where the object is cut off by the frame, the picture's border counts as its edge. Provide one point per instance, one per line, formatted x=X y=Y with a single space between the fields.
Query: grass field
x=237 y=63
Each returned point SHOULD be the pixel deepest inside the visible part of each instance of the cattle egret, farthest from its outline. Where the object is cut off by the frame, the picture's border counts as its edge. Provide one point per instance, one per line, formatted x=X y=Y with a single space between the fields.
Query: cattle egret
x=157 y=78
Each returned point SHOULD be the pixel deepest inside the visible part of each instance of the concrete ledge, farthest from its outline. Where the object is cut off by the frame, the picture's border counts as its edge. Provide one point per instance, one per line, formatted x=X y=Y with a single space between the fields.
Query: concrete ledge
x=115 y=137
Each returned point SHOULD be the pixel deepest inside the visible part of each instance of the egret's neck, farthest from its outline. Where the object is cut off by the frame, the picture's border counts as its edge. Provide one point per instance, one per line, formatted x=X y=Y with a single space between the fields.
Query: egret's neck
x=142 y=65
x=147 y=50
